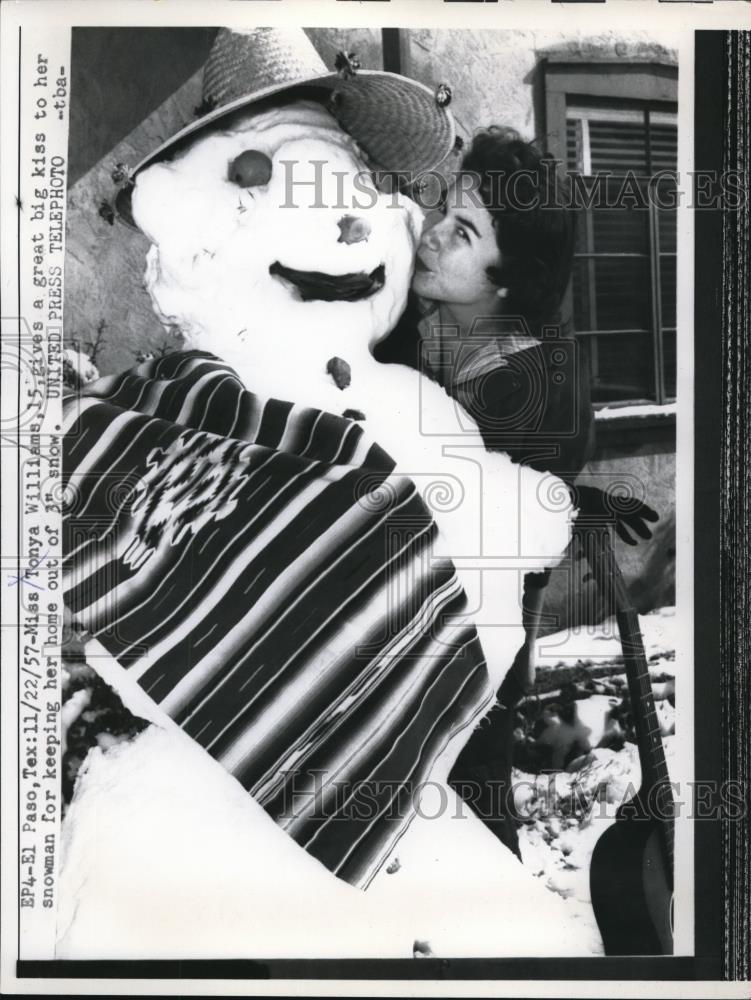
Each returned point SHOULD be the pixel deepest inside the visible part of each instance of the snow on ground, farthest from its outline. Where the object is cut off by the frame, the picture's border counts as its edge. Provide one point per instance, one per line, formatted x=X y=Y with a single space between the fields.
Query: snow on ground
x=600 y=643
x=566 y=813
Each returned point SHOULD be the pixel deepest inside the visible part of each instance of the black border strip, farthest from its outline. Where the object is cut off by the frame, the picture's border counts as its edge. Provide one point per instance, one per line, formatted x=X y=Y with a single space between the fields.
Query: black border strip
x=627 y=968
x=18 y=518
x=735 y=504
x=709 y=102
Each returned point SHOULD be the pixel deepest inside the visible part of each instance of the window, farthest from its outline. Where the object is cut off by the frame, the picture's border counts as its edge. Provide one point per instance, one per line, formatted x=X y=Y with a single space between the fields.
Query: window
x=616 y=133
x=624 y=267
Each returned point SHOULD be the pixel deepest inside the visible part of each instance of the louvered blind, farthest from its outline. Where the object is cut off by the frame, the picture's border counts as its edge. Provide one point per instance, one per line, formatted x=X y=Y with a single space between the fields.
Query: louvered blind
x=624 y=282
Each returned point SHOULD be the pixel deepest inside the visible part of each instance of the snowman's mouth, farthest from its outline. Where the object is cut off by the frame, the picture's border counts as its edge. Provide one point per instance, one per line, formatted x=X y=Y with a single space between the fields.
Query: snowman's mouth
x=313 y=285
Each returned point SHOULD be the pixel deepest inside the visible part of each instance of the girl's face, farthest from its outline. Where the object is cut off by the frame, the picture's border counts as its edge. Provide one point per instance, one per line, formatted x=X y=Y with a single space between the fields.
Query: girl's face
x=457 y=246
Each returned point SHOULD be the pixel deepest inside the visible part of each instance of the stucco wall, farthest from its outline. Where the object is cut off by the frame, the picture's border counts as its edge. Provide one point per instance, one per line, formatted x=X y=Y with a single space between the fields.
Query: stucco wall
x=496 y=76
x=648 y=567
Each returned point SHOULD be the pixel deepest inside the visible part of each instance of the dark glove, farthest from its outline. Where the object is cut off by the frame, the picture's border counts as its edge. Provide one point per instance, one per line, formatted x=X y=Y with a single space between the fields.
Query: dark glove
x=604 y=507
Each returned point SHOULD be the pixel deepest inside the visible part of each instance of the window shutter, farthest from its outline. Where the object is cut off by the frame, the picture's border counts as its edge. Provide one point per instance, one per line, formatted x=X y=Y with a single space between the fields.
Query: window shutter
x=625 y=249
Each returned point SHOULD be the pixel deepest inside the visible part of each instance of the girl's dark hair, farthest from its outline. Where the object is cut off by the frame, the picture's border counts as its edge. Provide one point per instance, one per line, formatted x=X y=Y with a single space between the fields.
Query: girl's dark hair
x=534 y=227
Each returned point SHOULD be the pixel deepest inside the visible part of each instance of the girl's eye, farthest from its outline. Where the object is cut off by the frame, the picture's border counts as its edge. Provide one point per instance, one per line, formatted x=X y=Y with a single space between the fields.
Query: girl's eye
x=462 y=233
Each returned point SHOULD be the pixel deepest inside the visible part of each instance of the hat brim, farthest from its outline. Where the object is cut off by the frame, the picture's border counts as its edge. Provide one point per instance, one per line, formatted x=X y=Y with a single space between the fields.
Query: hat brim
x=396 y=121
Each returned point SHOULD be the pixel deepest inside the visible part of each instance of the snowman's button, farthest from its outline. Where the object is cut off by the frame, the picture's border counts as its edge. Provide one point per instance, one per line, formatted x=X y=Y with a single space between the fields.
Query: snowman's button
x=340 y=371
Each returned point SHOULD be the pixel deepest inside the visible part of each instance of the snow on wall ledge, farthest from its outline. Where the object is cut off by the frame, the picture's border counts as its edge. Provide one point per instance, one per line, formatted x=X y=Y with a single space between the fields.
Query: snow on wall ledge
x=644 y=410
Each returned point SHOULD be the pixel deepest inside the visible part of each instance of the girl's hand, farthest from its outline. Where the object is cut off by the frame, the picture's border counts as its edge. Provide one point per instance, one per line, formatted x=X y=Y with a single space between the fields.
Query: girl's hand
x=603 y=507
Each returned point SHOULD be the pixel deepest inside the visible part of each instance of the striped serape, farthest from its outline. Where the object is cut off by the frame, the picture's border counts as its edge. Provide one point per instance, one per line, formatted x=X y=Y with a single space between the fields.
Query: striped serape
x=267 y=579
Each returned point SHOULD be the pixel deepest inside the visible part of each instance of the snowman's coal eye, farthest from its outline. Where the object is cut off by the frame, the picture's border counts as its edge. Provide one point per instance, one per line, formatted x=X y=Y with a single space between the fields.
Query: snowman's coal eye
x=250 y=169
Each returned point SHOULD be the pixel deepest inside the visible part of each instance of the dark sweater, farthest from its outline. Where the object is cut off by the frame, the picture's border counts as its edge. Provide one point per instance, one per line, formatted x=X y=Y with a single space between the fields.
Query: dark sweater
x=535 y=406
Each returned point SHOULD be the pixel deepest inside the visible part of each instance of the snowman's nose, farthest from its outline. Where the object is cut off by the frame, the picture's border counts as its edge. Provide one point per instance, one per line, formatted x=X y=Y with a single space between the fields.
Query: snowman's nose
x=353 y=229
x=250 y=169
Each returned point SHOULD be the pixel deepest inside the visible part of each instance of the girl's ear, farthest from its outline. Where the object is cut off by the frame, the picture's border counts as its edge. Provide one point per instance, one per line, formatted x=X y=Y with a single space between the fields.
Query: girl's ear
x=497 y=274
x=526 y=283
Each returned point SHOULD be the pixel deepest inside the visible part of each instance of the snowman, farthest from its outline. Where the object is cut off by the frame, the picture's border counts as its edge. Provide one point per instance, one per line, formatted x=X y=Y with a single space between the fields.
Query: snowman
x=276 y=249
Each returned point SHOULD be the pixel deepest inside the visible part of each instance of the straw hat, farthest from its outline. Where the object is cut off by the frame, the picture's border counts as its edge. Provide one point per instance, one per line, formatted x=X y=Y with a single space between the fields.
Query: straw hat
x=399 y=123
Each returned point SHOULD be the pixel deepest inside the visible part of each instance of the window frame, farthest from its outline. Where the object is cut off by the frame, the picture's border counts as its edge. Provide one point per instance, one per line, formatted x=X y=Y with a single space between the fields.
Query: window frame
x=568 y=80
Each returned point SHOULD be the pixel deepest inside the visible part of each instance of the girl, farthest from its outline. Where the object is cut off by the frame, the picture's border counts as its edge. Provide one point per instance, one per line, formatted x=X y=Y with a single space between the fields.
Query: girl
x=483 y=319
